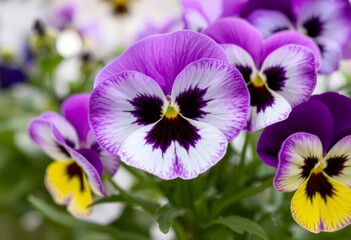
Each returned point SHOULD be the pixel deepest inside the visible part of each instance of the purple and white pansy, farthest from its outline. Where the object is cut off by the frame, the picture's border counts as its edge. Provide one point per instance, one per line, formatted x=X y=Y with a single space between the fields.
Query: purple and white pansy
x=280 y=72
x=79 y=160
x=327 y=22
x=169 y=105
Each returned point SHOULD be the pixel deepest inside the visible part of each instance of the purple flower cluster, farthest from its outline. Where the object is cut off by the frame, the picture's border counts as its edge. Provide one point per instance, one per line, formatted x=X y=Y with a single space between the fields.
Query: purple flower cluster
x=326 y=22
x=171 y=103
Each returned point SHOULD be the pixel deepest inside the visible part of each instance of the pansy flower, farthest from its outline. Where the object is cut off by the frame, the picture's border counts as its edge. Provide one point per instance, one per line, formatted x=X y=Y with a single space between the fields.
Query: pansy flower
x=311 y=151
x=10 y=75
x=198 y=14
x=169 y=105
x=280 y=72
x=327 y=22
x=79 y=160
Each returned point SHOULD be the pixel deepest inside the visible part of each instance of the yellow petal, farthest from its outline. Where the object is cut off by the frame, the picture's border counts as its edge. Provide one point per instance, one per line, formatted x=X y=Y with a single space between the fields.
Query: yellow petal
x=323 y=204
x=72 y=191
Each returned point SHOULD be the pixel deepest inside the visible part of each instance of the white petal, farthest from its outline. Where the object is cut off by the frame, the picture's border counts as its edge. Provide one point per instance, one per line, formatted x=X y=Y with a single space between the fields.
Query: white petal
x=63 y=127
x=207 y=152
x=339 y=161
x=269 y=21
x=297 y=78
x=240 y=58
x=278 y=111
x=212 y=92
x=175 y=161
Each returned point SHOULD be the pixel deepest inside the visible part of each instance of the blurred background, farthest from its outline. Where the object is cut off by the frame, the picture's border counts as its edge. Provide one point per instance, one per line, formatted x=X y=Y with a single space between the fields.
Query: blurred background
x=51 y=49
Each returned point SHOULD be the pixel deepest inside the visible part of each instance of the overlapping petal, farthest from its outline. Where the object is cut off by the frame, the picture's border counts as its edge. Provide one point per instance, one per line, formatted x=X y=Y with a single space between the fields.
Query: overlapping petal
x=109 y=162
x=267 y=108
x=237 y=31
x=41 y=132
x=213 y=83
x=290 y=72
x=92 y=167
x=62 y=127
x=287 y=7
x=52 y=133
x=331 y=54
x=322 y=204
x=241 y=59
x=284 y=38
x=270 y=22
x=163 y=57
x=312 y=117
x=198 y=14
x=341 y=116
x=75 y=110
x=123 y=104
x=338 y=161
x=297 y=157
x=326 y=23
x=327 y=18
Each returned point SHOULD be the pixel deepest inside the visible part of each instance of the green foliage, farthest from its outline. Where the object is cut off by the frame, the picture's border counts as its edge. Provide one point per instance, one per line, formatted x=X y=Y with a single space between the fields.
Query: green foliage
x=241 y=225
x=165 y=215
x=69 y=221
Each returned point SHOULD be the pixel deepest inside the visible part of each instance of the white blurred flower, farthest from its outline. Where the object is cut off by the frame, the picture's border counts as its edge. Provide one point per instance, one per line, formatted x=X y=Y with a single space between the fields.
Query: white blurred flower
x=113 y=32
x=16 y=21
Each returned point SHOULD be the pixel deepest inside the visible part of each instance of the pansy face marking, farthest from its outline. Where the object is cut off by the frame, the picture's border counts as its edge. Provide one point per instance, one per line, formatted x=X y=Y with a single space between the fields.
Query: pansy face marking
x=171 y=125
x=172 y=119
x=327 y=22
x=322 y=182
x=280 y=72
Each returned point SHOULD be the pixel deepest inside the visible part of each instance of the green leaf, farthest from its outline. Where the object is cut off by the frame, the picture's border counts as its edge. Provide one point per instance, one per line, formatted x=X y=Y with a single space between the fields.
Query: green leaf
x=241 y=225
x=71 y=222
x=165 y=215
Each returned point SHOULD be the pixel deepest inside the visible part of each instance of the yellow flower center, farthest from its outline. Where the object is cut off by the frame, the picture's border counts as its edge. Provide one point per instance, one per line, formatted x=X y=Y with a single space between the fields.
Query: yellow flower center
x=258 y=80
x=319 y=167
x=120 y=7
x=171 y=111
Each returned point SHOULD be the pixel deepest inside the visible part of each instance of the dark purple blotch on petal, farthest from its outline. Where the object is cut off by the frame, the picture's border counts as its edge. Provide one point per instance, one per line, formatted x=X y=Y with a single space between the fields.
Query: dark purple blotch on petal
x=309 y=164
x=74 y=170
x=279 y=29
x=147 y=109
x=245 y=71
x=93 y=158
x=313 y=26
x=63 y=150
x=335 y=165
x=191 y=102
x=260 y=97
x=169 y=130
x=275 y=77
x=318 y=183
